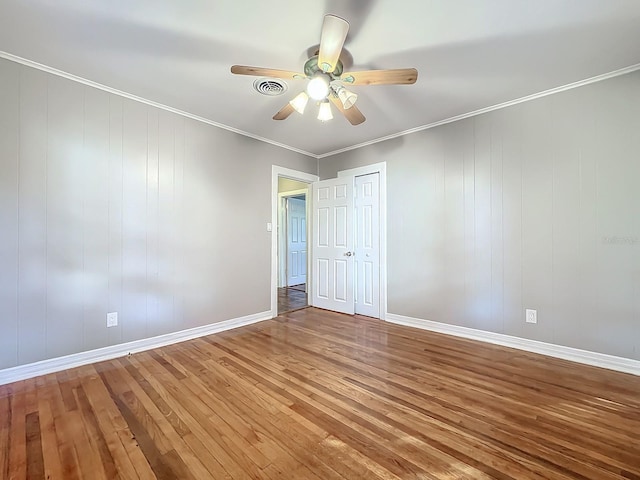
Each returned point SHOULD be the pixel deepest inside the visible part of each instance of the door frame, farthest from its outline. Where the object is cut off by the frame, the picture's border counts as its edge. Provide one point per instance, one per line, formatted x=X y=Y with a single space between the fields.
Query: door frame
x=282 y=220
x=277 y=171
x=381 y=169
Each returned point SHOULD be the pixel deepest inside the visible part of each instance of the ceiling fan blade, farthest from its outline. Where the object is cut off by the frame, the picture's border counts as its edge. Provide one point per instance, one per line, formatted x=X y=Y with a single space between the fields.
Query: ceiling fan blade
x=266 y=72
x=284 y=112
x=400 y=76
x=352 y=114
x=334 y=33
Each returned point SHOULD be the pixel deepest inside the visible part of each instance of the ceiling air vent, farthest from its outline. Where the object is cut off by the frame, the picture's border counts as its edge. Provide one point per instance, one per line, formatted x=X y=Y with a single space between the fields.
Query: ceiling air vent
x=270 y=86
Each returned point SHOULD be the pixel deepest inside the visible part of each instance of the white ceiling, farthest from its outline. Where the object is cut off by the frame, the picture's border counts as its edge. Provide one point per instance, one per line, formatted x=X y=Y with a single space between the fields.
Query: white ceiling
x=470 y=54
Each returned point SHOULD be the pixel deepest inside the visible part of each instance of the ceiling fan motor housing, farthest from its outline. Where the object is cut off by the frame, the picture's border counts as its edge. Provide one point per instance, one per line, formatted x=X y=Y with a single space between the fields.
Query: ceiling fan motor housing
x=311 y=67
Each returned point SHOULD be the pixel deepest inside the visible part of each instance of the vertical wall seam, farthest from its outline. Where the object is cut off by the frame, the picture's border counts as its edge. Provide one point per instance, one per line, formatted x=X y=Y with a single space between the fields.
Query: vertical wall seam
x=146 y=230
x=157 y=232
x=46 y=222
x=491 y=206
x=473 y=276
x=83 y=161
x=109 y=153
x=183 y=123
x=554 y=161
x=580 y=246
x=464 y=219
x=173 y=222
x=121 y=213
x=18 y=165
x=597 y=249
x=522 y=165
x=502 y=230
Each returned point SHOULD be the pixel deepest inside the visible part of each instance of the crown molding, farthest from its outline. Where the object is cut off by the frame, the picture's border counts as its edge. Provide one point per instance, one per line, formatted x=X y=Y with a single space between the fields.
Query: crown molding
x=569 y=86
x=90 y=83
x=75 y=78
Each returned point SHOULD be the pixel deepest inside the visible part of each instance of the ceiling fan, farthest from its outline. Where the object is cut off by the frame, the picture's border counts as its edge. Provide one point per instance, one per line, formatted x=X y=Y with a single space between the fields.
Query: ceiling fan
x=327 y=80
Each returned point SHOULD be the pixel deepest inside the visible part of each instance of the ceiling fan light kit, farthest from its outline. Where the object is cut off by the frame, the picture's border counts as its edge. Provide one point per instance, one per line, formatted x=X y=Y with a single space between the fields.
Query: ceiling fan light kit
x=325 y=74
x=324 y=112
x=347 y=97
x=299 y=102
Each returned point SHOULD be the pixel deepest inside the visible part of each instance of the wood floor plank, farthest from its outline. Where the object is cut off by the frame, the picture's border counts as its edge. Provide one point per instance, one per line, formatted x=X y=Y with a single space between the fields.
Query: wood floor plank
x=17 y=451
x=6 y=414
x=51 y=454
x=129 y=459
x=323 y=396
x=63 y=423
x=96 y=437
x=35 y=459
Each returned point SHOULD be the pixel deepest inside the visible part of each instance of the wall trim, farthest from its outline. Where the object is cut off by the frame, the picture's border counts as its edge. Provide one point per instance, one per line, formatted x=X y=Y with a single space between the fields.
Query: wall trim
x=580 y=83
x=22 y=372
x=75 y=78
x=90 y=83
x=620 y=364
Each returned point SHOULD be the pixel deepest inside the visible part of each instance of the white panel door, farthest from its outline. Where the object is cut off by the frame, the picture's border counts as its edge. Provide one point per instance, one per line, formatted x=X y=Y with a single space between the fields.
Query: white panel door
x=367 y=245
x=332 y=245
x=296 y=241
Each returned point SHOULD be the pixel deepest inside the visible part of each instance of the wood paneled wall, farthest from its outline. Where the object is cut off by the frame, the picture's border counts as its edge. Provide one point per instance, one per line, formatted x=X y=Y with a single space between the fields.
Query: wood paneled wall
x=532 y=206
x=108 y=204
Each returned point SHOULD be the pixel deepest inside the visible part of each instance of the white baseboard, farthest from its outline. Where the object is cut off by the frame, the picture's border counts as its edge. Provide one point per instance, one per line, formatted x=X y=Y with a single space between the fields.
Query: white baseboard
x=595 y=359
x=44 y=367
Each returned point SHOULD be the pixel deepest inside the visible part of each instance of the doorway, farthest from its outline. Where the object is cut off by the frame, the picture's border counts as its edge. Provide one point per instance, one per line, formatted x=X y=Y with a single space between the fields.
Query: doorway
x=292 y=245
x=312 y=285
x=290 y=259
x=292 y=239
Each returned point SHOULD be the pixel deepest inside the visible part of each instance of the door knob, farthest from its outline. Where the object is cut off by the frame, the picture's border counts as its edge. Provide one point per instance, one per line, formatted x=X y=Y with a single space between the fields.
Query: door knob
x=348 y=254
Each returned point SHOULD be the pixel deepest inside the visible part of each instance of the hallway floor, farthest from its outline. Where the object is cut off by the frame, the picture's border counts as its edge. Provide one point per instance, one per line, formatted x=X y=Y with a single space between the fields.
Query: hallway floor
x=291 y=298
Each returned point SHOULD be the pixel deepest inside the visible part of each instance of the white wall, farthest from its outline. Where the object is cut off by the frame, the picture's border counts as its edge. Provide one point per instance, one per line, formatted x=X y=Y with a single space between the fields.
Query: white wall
x=532 y=206
x=107 y=204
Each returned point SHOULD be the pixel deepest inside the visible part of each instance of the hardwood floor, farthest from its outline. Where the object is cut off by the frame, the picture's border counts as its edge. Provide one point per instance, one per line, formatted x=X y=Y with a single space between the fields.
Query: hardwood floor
x=292 y=298
x=319 y=395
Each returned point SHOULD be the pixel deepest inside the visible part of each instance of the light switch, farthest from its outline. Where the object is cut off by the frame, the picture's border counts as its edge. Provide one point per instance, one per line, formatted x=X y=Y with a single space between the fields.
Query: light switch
x=269 y=227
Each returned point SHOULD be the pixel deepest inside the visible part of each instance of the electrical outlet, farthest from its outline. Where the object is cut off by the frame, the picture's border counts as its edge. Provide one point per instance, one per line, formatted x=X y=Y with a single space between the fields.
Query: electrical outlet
x=112 y=319
x=531 y=316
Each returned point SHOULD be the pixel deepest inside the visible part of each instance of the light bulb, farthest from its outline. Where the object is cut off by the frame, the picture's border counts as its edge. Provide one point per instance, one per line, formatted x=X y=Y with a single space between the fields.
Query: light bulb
x=324 y=113
x=299 y=102
x=318 y=87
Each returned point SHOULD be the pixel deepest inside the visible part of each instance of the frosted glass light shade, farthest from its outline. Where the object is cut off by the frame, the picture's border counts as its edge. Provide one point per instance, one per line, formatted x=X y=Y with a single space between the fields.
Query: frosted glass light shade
x=347 y=97
x=324 y=114
x=300 y=102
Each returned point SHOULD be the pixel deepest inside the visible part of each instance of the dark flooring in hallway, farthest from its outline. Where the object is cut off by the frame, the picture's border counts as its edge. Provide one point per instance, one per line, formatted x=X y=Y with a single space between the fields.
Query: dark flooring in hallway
x=291 y=298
